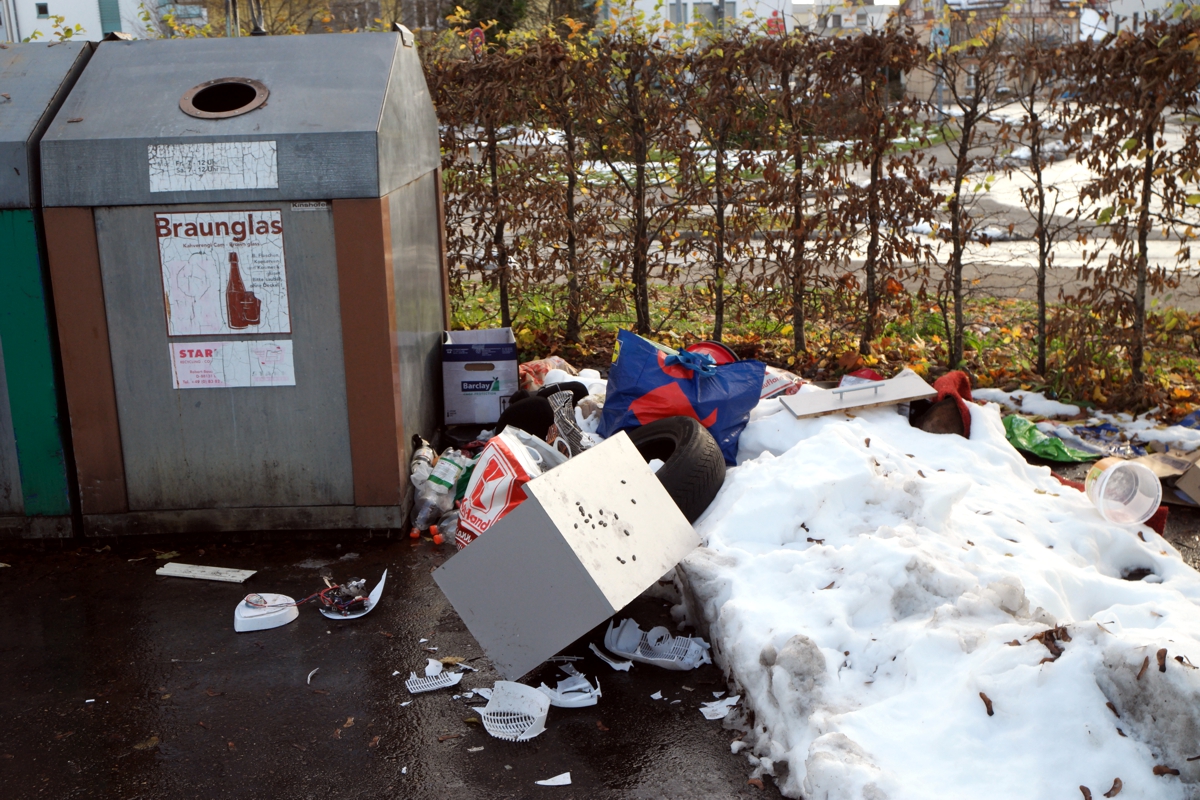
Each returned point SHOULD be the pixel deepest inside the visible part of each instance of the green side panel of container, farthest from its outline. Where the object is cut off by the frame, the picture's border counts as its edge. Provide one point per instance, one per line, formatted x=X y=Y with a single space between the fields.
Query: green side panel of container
x=29 y=366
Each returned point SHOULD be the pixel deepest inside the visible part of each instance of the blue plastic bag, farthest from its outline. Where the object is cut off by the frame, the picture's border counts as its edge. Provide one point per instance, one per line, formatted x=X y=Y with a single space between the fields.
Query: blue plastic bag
x=649 y=383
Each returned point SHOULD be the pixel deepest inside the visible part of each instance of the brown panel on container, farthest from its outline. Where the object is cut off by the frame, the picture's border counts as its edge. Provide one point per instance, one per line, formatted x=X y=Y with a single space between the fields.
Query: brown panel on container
x=86 y=358
x=441 y=212
x=365 y=284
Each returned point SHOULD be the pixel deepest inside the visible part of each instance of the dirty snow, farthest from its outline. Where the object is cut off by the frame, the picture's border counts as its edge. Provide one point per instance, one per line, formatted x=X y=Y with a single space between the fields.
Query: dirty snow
x=1026 y=402
x=861 y=600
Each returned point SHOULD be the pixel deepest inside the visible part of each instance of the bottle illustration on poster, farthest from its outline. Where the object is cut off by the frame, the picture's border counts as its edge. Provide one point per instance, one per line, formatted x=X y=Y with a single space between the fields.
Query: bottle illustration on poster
x=244 y=308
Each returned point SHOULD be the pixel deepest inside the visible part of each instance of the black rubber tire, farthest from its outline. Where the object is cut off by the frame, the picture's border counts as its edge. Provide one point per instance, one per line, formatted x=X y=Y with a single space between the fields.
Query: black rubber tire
x=693 y=468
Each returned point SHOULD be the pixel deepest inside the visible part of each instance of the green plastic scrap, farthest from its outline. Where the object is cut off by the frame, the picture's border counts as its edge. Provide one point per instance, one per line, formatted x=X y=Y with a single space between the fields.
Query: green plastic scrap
x=1024 y=435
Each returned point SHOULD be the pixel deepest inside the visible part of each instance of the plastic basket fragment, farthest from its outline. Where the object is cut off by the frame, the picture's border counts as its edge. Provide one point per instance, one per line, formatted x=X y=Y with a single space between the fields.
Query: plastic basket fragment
x=515 y=713
x=442 y=680
x=656 y=646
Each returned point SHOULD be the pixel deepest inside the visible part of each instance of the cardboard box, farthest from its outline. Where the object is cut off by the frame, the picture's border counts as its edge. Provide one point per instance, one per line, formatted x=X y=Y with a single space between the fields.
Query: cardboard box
x=479 y=374
x=1178 y=473
x=594 y=534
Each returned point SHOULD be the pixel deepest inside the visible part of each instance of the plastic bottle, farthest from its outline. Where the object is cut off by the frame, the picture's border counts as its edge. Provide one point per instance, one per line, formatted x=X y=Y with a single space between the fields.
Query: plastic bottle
x=446 y=529
x=422 y=462
x=436 y=496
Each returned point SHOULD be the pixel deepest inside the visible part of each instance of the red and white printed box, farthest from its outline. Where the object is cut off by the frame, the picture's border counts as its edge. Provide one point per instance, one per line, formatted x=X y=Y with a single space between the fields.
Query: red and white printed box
x=511 y=459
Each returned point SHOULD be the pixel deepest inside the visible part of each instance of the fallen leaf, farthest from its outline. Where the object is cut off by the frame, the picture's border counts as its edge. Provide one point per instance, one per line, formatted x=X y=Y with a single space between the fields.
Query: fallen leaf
x=867 y=441
x=1014 y=643
x=319 y=691
x=756 y=783
x=601 y=726
x=1121 y=733
x=1163 y=769
x=1142 y=671
x=388 y=635
x=72 y=597
x=1162 y=660
x=231 y=746
x=337 y=734
x=830 y=586
x=75 y=119
x=1115 y=790
x=213 y=693
x=449 y=736
x=451 y=659
x=1194 y=758
x=1113 y=709
x=201 y=724
x=61 y=736
x=165 y=556
x=374 y=742
x=922 y=474
x=987 y=702
x=471 y=720
x=153 y=742
x=1087 y=793
x=816 y=541
x=299 y=747
x=349 y=722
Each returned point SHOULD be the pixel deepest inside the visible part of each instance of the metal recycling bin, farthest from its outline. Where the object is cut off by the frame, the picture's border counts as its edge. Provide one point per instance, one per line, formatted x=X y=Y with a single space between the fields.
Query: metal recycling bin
x=245 y=240
x=35 y=493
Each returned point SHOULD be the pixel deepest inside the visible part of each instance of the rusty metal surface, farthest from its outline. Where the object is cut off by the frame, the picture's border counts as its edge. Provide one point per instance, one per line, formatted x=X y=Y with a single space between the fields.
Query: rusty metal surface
x=230 y=447
x=350 y=116
x=35 y=78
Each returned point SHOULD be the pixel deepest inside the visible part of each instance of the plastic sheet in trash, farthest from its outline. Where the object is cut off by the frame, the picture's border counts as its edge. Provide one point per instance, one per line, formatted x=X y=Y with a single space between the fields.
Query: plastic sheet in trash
x=515 y=712
x=656 y=646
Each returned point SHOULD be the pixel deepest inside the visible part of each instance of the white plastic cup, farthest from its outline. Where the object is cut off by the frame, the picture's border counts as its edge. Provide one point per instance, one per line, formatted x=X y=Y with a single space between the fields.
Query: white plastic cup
x=1124 y=492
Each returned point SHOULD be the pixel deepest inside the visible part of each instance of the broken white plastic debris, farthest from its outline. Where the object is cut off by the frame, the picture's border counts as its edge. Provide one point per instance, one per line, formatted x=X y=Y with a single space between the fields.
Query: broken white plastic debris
x=444 y=680
x=395 y=673
x=372 y=601
x=718 y=709
x=404 y=770
x=515 y=712
x=574 y=692
x=718 y=695
x=474 y=749
x=433 y=668
x=656 y=696
x=656 y=646
x=176 y=570
x=89 y=701
x=422 y=641
x=622 y=666
x=314 y=672
x=484 y=692
x=406 y=703
x=557 y=780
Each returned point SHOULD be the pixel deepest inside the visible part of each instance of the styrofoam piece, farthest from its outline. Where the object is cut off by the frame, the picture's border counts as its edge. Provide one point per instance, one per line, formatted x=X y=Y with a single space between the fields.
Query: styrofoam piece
x=443 y=680
x=574 y=692
x=656 y=646
x=279 y=611
x=558 y=780
x=904 y=388
x=719 y=709
x=174 y=569
x=372 y=601
x=619 y=666
x=593 y=535
x=515 y=713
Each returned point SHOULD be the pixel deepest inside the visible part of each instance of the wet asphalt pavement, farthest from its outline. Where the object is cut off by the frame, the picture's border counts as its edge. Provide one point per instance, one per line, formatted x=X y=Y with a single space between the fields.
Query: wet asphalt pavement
x=185 y=707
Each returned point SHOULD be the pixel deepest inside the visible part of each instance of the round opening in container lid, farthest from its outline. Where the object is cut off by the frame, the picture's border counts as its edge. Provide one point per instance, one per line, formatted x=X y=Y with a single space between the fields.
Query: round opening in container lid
x=223 y=98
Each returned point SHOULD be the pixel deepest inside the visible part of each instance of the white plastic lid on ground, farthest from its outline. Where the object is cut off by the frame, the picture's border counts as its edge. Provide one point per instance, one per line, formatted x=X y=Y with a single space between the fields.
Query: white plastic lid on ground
x=515 y=712
x=263 y=611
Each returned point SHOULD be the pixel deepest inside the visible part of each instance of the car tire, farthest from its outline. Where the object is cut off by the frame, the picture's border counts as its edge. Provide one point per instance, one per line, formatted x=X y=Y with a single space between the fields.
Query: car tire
x=693 y=469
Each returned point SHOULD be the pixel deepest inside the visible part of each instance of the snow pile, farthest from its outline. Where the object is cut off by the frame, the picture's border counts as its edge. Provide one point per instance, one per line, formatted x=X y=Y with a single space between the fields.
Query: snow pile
x=1026 y=402
x=866 y=585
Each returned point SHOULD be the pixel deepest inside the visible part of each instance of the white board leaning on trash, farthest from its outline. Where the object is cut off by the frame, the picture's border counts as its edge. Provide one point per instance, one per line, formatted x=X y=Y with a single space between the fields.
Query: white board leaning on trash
x=904 y=388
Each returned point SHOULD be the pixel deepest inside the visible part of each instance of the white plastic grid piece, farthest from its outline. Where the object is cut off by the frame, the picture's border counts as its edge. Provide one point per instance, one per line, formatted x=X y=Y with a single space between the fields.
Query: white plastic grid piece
x=445 y=680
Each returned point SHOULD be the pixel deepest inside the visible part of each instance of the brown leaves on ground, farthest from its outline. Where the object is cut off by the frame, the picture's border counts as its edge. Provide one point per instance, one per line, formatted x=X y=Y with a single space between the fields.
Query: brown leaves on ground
x=756 y=783
x=152 y=742
x=1163 y=769
x=1116 y=788
x=374 y=742
x=349 y=722
x=1087 y=793
x=601 y=726
x=987 y=703
x=212 y=692
x=1142 y=671
x=1162 y=659
x=1051 y=637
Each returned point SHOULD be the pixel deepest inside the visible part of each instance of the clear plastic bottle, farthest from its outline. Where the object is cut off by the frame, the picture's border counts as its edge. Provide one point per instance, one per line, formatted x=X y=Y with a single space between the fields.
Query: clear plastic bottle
x=446 y=529
x=422 y=462
x=436 y=496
